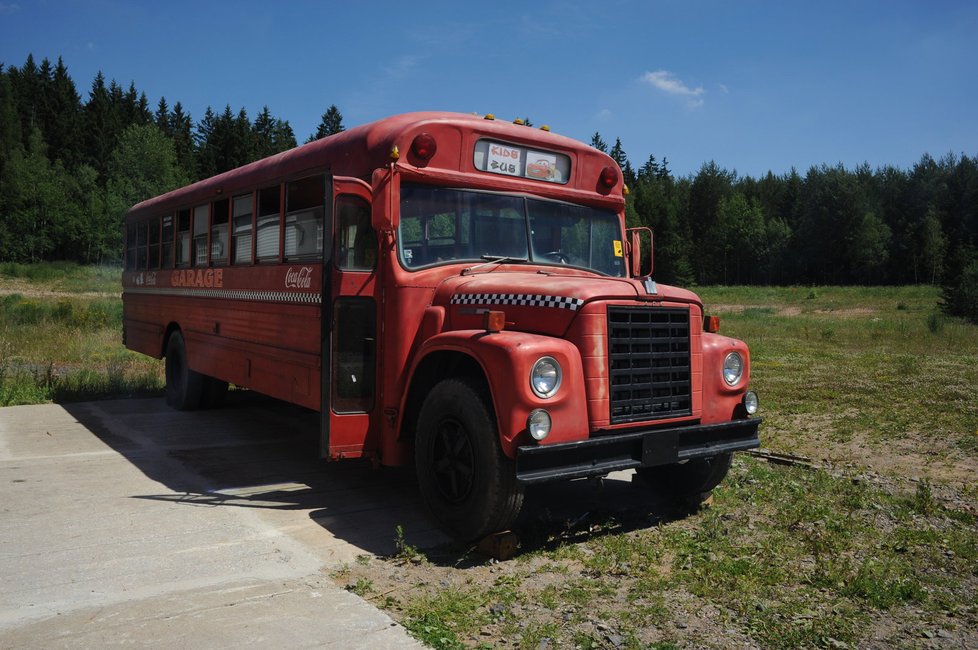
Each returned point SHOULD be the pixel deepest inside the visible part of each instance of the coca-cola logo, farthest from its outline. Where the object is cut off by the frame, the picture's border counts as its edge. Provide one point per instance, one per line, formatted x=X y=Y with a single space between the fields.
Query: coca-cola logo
x=298 y=279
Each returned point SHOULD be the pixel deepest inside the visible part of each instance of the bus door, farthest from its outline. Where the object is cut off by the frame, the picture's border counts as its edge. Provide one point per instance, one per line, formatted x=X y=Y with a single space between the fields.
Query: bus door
x=349 y=322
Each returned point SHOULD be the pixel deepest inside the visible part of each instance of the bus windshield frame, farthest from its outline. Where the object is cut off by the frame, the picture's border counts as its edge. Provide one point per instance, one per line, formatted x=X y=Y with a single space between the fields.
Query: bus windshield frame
x=446 y=225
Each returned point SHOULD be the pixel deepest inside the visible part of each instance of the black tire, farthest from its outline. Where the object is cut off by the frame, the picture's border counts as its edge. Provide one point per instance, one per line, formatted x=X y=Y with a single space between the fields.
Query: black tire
x=465 y=479
x=184 y=387
x=688 y=483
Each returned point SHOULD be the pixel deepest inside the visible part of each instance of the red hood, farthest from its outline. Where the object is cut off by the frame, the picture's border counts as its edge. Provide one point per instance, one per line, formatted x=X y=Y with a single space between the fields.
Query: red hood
x=540 y=302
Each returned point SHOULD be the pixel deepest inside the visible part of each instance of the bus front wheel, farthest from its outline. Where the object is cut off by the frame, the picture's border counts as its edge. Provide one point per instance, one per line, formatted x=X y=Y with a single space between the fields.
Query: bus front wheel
x=184 y=387
x=464 y=477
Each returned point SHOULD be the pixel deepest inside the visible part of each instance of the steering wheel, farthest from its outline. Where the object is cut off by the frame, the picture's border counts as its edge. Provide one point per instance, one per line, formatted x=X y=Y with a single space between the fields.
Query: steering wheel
x=558 y=256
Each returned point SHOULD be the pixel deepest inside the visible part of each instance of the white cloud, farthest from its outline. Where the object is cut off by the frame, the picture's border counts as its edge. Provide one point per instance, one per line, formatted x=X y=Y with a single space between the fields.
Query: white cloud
x=668 y=83
x=604 y=114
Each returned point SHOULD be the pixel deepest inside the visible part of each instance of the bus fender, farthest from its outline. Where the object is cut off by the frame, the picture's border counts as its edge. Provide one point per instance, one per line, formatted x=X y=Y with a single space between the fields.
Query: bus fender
x=506 y=360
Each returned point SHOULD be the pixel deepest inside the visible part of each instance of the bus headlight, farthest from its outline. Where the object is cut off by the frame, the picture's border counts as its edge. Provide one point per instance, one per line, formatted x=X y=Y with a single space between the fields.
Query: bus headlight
x=733 y=368
x=545 y=377
x=538 y=423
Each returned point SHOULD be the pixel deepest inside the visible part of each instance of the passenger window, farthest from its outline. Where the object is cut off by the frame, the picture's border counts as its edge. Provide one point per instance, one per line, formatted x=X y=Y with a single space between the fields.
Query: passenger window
x=356 y=242
x=183 y=238
x=131 y=247
x=304 y=218
x=219 y=233
x=201 y=213
x=268 y=223
x=242 y=229
x=167 y=251
x=154 y=244
x=141 y=245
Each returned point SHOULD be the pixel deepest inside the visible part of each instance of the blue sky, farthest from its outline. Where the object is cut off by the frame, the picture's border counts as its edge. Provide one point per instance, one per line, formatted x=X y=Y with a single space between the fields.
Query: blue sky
x=755 y=86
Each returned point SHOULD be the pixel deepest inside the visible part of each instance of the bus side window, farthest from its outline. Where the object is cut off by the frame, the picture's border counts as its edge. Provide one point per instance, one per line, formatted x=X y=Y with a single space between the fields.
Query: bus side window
x=268 y=223
x=219 y=233
x=201 y=213
x=356 y=241
x=241 y=223
x=183 y=238
x=130 y=247
x=304 y=217
x=167 y=251
x=141 y=245
x=154 y=244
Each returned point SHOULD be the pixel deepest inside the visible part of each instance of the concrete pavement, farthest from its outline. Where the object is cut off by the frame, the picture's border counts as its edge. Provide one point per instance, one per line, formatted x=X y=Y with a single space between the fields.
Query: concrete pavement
x=127 y=523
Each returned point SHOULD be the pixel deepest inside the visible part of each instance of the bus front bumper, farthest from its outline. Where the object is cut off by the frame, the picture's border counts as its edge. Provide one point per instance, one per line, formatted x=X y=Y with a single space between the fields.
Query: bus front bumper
x=643 y=448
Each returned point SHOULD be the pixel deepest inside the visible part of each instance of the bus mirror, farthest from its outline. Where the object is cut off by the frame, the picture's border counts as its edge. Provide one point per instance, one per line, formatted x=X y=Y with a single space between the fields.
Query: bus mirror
x=636 y=243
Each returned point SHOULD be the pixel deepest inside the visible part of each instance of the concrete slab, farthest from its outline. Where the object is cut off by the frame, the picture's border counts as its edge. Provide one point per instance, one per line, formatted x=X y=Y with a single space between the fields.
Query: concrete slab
x=126 y=523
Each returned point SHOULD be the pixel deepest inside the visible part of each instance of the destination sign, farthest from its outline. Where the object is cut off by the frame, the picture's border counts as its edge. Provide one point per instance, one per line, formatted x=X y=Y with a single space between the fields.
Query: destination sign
x=514 y=160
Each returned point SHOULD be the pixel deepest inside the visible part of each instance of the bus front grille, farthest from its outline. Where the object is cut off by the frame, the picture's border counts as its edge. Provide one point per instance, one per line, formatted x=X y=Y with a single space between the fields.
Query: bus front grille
x=649 y=363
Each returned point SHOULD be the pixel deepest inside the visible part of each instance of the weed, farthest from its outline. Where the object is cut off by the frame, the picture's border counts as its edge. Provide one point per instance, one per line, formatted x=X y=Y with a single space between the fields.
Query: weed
x=362 y=587
x=404 y=551
x=936 y=321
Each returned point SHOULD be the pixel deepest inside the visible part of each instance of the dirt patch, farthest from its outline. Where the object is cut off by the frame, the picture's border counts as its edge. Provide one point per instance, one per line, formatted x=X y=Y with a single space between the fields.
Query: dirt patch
x=27 y=291
x=778 y=310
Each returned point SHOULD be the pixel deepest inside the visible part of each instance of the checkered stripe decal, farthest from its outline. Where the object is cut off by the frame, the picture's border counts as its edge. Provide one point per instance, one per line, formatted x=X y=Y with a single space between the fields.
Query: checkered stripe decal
x=520 y=299
x=225 y=294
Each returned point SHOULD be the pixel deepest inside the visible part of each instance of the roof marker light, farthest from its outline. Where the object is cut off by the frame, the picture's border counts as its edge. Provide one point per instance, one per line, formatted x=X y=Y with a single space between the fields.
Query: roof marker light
x=490 y=116
x=545 y=128
x=519 y=121
x=424 y=147
x=608 y=178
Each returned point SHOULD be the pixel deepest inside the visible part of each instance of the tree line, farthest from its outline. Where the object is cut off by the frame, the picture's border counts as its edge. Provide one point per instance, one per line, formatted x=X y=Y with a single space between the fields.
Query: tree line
x=69 y=169
x=832 y=225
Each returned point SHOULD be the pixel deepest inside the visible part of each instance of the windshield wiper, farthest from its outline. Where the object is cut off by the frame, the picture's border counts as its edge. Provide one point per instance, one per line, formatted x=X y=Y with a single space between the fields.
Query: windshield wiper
x=494 y=259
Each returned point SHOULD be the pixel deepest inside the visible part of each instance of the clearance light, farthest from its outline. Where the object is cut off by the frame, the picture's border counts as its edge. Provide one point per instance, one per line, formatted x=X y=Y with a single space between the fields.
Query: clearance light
x=490 y=116
x=545 y=128
x=395 y=153
x=519 y=121
x=711 y=324
x=494 y=321
x=424 y=146
x=625 y=190
x=539 y=424
x=608 y=178
x=750 y=402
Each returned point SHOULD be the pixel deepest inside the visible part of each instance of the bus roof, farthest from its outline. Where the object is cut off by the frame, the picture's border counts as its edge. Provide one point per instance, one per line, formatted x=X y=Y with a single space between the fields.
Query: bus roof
x=356 y=152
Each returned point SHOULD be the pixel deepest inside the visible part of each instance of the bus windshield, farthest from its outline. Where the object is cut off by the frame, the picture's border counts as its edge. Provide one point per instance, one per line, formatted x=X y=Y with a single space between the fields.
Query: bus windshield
x=441 y=225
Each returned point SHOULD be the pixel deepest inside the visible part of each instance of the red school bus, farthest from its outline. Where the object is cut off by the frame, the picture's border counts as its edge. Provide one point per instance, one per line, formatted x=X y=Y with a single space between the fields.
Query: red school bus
x=448 y=290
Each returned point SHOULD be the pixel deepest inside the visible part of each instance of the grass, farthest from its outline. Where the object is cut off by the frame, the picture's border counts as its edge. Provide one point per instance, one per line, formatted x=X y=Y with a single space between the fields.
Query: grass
x=857 y=370
x=785 y=557
x=61 y=337
x=879 y=546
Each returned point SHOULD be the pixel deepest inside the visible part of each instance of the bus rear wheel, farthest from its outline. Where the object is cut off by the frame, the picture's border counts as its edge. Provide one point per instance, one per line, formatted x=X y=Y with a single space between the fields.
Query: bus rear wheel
x=184 y=387
x=465 y=479
x=688 y=483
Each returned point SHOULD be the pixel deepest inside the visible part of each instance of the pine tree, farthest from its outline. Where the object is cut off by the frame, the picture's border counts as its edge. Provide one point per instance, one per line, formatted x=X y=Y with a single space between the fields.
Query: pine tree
x=598 y=143
x=181 y=126
x=331 y=123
